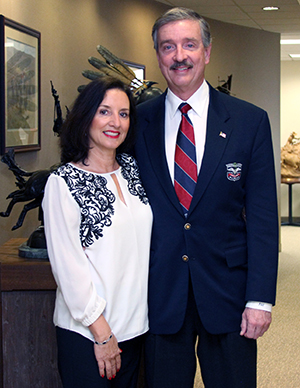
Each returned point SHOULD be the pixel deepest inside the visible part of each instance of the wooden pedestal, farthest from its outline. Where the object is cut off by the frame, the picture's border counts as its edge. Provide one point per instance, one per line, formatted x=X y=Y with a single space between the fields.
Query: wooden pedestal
x=290 y=182
x=27 y=334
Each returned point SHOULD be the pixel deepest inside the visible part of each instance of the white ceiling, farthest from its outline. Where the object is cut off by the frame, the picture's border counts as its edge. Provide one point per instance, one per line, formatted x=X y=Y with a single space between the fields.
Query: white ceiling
x=249 y=13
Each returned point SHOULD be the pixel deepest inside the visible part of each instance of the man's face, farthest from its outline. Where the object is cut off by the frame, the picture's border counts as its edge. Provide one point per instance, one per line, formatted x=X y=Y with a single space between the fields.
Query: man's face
x=182 y=56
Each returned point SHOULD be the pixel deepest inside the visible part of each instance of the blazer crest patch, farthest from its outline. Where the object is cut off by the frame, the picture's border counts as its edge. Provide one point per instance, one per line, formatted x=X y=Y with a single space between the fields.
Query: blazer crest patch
x=234 y=171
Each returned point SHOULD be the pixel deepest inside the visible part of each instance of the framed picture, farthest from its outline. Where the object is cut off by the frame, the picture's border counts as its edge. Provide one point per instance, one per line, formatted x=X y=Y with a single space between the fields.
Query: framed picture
x=139 y=70
x=20 y=127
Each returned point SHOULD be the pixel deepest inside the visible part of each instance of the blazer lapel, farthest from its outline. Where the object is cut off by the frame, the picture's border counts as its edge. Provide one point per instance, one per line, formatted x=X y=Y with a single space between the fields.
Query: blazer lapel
x=217 y=137
x=155 y=142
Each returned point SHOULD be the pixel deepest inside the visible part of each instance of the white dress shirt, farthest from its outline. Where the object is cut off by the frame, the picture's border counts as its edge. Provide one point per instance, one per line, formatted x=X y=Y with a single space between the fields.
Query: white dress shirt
x=198 y=115
x=199 y=102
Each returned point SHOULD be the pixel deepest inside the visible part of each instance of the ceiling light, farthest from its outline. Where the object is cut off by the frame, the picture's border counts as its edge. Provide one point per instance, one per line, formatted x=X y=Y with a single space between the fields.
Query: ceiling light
x=290 y=41
x=295 y=56
x=270 y=8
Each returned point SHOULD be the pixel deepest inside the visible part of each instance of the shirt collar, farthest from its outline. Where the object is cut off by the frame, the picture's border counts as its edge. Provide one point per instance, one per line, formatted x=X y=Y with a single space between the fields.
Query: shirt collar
x=197 y=101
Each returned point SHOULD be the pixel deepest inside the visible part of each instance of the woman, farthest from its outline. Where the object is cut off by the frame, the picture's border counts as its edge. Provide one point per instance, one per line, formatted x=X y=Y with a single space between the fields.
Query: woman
x=98 y=225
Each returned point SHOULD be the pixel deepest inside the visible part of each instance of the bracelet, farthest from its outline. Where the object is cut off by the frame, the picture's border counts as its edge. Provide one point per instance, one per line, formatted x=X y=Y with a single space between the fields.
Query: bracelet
x=104 y=342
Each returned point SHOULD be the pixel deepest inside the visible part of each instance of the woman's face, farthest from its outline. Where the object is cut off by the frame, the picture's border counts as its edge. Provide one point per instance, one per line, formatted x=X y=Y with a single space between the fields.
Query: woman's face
x=110 y=124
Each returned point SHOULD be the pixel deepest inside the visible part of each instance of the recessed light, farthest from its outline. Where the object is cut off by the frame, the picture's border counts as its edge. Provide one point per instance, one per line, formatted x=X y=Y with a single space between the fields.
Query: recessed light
x=295 y=56
x=290 y=41
x=270 y=8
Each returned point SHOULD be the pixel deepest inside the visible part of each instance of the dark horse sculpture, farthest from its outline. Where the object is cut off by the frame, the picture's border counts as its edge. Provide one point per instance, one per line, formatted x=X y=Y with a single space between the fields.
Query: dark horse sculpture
x=31 y=189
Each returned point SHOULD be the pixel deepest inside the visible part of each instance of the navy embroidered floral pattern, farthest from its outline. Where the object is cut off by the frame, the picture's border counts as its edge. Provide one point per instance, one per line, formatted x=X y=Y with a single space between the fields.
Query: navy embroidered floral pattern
x=130 y=172
x=95 y=200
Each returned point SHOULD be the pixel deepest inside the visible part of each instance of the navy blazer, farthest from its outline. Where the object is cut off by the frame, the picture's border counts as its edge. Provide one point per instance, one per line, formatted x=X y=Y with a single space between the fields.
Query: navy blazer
x=228 y=244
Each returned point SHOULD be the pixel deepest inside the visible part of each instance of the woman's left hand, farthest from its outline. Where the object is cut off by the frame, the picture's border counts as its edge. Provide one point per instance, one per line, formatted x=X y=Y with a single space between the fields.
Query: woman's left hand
x=108 y=355
x=108 y=358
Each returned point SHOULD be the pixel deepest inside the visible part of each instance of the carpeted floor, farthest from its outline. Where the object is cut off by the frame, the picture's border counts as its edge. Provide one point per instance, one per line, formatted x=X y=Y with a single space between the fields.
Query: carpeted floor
x=279 y=348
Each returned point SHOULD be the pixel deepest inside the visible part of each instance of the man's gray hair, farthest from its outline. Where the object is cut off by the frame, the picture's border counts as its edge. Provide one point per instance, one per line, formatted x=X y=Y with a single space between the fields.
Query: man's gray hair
x=180 y=13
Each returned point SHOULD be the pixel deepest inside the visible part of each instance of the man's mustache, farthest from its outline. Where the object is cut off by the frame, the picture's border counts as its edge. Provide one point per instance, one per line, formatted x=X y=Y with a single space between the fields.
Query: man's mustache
x=176 y=65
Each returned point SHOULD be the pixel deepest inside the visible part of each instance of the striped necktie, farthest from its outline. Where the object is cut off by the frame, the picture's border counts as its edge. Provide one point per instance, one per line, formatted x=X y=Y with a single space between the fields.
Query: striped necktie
x=185 y=174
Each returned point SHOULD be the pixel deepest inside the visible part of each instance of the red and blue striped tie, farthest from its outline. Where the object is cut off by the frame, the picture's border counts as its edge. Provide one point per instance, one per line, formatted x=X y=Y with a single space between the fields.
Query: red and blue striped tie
x=185 y=173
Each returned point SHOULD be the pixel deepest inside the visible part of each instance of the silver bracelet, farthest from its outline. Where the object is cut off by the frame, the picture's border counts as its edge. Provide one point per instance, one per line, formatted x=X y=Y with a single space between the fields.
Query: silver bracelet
x=104 y=342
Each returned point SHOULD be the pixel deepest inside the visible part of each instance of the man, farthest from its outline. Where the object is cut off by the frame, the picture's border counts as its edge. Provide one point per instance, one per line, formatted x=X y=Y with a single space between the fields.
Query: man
x=214 y=252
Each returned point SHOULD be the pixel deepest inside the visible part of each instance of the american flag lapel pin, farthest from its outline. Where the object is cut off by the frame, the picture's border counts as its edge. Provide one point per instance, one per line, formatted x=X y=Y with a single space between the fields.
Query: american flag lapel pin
x=222 y=134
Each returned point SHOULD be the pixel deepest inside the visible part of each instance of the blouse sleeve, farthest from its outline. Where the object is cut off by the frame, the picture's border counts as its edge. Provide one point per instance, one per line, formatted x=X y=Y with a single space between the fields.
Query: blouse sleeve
x=70 y=265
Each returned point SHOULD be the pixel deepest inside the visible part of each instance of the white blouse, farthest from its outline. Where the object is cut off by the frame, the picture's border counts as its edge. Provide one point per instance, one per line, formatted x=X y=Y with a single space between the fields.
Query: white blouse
x=99 y=248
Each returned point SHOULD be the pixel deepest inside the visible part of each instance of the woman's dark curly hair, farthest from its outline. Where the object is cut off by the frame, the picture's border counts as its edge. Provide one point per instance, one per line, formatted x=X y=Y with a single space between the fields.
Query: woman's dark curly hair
x=74 y=137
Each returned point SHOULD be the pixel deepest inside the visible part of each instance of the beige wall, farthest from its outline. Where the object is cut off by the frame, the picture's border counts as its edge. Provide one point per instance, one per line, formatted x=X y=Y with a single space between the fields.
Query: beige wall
x=290 y=122
x=71 y=30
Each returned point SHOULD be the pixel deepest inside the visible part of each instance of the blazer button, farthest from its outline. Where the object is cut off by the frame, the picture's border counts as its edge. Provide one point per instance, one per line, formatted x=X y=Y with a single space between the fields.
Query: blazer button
x=185 y=258
x=187 y=226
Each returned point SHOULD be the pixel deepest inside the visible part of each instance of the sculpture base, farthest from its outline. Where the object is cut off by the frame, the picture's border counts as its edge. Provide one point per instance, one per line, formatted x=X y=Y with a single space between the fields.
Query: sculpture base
x=32 y=253
x=35 y=247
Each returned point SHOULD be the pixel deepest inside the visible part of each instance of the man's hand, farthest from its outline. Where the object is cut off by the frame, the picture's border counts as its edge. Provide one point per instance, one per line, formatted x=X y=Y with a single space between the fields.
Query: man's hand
x=255 y=322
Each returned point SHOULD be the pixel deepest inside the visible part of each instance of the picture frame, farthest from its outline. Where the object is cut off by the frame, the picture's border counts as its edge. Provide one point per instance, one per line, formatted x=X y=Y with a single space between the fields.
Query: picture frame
x=20 y=121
